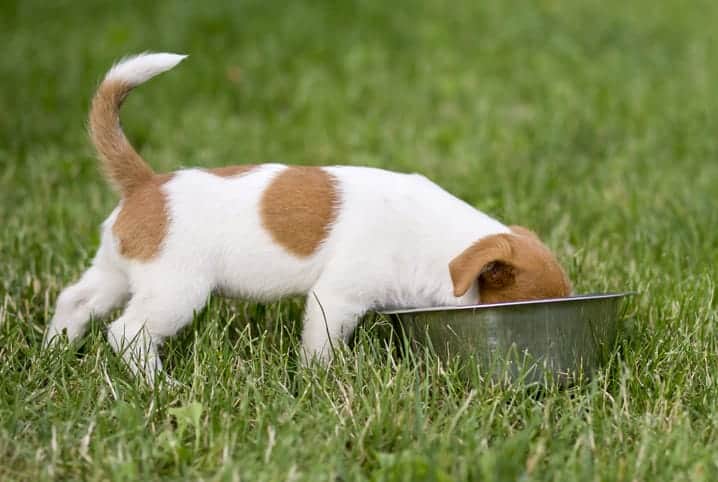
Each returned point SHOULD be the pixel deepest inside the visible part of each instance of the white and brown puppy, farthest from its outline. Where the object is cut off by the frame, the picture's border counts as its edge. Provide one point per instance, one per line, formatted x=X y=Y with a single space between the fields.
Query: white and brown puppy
x=351 y=238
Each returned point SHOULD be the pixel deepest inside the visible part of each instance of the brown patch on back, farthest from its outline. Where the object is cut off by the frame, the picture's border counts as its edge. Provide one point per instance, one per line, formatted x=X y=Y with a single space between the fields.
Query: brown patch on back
x=509 y=267
x=231 y=171
x=298 y=208
x=143 y=221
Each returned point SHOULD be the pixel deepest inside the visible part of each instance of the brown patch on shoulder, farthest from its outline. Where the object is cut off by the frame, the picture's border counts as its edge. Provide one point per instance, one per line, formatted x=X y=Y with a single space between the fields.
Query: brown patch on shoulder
x=231 y=171
x=298 y=208
x=143 y=221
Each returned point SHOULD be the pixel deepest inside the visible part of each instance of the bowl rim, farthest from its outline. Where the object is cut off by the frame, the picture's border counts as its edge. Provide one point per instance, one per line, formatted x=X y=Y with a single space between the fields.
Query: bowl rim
x=486 y=306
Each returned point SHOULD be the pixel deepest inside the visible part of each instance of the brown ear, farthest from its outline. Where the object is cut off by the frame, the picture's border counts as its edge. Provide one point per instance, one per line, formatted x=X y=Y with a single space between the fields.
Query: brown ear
x=522 y=231
x=489 y=257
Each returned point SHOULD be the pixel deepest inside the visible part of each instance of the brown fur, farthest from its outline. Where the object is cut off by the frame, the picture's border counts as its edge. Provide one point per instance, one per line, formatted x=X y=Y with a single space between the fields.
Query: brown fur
x=122 y=165
x=522 y=231
x=143 y=221
x=230 y=171
x=298 y=208
x=509 y=267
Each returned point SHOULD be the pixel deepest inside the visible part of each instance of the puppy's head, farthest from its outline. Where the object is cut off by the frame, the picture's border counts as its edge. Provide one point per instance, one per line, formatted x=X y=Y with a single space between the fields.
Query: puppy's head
x=513 y=266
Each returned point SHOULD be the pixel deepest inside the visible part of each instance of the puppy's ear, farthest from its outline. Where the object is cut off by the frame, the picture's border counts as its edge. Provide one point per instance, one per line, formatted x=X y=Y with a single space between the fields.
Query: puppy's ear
x=489 y=260
x=522 y=231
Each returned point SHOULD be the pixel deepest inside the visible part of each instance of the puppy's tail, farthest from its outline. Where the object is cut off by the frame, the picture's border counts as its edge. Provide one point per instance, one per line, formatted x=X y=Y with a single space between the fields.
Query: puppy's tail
x=122 y=165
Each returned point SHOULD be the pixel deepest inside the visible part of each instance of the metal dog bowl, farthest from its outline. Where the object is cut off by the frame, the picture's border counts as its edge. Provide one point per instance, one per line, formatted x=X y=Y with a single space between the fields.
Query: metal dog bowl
x=534 y=341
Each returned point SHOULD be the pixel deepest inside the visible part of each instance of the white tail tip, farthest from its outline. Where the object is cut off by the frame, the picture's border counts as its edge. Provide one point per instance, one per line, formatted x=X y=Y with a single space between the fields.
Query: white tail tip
x=140 y=68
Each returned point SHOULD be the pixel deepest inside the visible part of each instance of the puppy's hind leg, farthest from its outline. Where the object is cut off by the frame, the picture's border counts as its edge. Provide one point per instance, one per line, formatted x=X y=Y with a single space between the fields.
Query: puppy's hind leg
x=152 y=315
x=100 y=289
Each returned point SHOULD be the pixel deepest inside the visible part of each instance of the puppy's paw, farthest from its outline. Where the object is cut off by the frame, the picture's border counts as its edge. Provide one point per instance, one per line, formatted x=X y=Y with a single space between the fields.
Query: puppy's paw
x=54 y=338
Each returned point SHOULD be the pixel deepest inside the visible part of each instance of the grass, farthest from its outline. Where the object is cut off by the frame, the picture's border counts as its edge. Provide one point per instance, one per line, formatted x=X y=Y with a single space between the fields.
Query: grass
x=592 y=122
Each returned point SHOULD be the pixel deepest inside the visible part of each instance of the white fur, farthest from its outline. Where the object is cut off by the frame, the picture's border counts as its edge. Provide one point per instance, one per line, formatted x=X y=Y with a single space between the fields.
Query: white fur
x=389 y=247
x=140 y=68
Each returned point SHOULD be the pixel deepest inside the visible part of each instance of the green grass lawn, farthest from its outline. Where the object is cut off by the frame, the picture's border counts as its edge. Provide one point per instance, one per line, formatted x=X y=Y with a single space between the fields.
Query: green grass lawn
x=595 y=123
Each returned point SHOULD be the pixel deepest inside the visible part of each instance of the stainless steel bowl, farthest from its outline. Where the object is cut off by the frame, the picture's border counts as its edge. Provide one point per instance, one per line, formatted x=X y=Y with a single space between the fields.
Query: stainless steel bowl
x=534 y=341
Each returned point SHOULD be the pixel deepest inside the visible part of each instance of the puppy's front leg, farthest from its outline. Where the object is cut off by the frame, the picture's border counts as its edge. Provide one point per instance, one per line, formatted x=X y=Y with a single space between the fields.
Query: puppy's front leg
x=329 y=320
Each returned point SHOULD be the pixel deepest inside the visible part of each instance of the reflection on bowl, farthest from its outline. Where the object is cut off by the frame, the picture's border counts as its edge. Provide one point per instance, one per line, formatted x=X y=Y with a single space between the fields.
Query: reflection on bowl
x=557 y=339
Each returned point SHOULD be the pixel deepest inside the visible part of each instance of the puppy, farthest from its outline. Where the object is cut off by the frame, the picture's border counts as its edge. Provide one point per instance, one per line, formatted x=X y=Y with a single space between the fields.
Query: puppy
x=353 y=239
